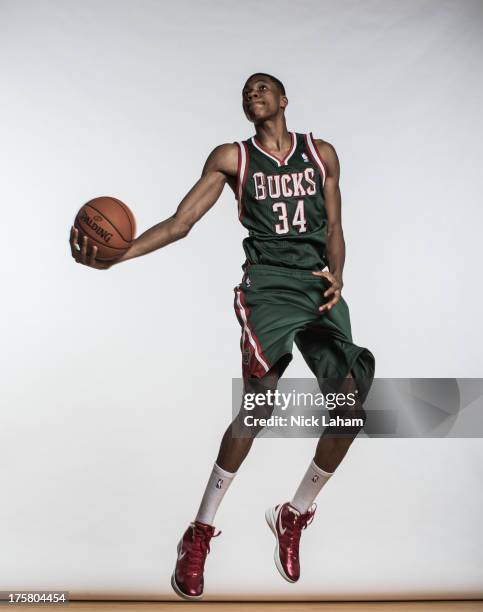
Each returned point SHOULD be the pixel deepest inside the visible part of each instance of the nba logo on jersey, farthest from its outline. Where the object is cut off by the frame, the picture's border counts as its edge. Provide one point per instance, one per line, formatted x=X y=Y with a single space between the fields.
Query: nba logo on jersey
x=219 y=483
x=248 y=282
x=305 y=157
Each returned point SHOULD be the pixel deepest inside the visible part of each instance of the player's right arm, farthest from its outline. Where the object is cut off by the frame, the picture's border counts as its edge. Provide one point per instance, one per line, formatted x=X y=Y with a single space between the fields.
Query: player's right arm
x=219 y=168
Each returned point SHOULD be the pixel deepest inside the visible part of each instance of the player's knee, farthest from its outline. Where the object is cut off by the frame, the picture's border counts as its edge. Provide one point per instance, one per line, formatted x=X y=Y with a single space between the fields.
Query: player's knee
x=259 y=405
x=248 y=424
x=359 y=416
x=350 y=419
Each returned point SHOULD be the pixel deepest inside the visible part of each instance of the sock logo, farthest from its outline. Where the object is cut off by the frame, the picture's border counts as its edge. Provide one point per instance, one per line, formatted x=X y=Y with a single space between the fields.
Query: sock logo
x=315 y=478
x=219 y=483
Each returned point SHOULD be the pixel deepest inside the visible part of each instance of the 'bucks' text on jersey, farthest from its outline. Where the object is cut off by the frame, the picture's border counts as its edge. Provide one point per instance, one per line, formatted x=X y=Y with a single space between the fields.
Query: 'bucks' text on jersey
x=281 y=203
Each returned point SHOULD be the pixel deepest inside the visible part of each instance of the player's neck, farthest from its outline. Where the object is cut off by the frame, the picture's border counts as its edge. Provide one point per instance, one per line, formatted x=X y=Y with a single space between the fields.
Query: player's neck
x=273 y=134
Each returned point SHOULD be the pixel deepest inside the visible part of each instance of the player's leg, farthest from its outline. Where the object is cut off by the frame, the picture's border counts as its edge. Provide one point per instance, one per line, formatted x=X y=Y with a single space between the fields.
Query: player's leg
x=341 y=367
x=336 y=440
x=328 y=349
x=235 y=445
x=268 y=321
x=287 y=520
x=331 y=448
x=188 y=577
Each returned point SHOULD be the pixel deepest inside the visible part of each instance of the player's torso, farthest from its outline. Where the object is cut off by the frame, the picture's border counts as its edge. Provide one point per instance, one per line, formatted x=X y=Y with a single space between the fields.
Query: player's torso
x=281 y=203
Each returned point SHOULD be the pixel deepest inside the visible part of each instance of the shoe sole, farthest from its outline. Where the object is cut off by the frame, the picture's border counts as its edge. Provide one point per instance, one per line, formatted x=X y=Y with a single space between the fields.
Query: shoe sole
x=178 y=591
x=271 y=518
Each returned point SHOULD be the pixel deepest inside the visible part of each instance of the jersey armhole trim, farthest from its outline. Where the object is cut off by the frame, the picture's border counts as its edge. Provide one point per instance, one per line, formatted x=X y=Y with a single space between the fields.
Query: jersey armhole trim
x=315 y=155
x=241 y=175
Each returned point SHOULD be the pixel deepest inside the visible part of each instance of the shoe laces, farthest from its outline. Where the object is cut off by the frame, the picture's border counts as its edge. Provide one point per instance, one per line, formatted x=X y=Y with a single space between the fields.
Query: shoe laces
x=301 y=521
x=200 y=547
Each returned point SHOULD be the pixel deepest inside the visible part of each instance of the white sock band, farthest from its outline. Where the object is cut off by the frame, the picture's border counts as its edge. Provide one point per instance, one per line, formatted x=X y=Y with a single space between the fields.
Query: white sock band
x=217 y=486
x=313 y=481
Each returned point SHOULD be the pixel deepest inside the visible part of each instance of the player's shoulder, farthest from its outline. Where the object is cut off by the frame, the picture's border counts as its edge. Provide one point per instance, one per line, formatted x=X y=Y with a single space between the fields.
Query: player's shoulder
x=328 y=154
x=227 y=148
x=325 y=148
x=224 y=157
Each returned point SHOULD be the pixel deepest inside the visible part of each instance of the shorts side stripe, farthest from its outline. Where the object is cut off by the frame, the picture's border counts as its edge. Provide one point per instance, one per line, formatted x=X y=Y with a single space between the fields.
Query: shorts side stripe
x=251 y=335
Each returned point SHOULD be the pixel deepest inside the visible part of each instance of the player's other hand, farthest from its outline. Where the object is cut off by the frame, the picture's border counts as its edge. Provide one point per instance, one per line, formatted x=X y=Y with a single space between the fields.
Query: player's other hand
x=333 y=292
x=84 y=253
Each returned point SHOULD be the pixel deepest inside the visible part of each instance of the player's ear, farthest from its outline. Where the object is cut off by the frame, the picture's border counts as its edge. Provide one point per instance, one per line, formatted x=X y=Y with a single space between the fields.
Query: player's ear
x=283 y=102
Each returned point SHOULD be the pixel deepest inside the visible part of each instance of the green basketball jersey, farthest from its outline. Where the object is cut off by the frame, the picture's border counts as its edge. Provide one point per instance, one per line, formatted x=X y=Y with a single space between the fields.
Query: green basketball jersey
x=281 y=203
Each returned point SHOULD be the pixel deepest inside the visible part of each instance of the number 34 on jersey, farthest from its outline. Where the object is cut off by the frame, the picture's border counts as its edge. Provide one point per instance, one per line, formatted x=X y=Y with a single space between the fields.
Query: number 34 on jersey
x=288 y=185
x=281 y=203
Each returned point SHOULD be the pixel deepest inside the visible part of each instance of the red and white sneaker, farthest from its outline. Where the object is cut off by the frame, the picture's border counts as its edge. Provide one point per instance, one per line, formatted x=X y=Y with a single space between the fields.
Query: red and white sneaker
x=287 y=523
x=187 y=579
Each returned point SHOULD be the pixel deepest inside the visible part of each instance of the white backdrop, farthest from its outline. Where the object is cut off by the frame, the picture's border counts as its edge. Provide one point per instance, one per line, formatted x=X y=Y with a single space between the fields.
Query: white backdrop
x=110 y=416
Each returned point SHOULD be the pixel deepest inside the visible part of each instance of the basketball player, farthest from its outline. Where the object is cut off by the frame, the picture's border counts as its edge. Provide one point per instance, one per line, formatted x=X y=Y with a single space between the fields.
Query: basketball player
x=287 y=188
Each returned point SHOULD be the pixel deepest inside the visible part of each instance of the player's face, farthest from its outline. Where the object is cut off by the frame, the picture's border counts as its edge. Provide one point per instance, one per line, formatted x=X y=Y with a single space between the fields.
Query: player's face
x=262 y=99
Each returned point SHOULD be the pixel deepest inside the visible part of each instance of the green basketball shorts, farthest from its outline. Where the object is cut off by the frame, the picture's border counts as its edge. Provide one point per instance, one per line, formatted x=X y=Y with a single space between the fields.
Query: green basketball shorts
x=276 y=306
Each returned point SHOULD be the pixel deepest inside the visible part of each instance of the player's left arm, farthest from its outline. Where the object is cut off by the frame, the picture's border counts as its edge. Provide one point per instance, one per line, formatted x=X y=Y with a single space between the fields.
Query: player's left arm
x=335 y=236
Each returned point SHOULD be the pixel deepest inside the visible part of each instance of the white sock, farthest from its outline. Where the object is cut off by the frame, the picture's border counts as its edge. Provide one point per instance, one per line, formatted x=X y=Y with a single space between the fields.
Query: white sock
x=216 y=488
x=313 y=481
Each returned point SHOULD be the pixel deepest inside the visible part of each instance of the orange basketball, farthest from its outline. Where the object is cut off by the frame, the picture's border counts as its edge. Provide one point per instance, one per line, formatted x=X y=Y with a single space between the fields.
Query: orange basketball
x=109 y=224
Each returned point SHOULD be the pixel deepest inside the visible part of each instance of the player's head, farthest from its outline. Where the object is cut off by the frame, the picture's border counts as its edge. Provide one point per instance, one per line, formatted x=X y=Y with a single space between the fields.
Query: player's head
x=263 y=97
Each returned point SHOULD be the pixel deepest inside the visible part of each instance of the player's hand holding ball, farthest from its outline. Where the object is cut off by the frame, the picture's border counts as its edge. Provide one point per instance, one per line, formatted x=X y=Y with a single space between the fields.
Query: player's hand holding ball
x=103 y=231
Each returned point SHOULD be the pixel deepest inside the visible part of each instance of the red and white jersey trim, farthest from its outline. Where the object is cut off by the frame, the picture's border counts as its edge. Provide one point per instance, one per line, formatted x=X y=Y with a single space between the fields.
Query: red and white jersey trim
x=314 y=153
x=279 y=162
x=241 y=174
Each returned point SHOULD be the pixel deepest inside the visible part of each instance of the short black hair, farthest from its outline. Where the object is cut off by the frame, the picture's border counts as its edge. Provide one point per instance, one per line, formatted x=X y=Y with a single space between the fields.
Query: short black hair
x=277 y=82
